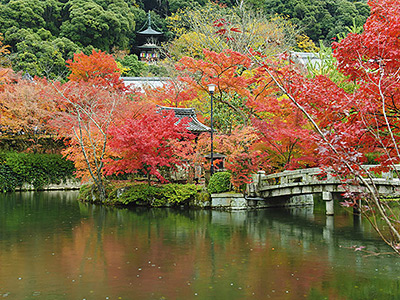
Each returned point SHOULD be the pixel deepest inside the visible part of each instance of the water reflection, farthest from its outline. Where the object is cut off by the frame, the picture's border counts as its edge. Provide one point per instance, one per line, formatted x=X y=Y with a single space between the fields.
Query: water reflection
x=53 y=247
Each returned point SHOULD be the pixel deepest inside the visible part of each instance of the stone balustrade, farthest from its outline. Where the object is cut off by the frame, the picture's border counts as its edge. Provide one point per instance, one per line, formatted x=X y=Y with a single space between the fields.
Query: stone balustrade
x=316 y=180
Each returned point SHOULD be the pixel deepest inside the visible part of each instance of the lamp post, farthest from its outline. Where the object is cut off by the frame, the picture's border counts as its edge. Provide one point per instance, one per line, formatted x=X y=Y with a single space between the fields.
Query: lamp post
x=211 y=89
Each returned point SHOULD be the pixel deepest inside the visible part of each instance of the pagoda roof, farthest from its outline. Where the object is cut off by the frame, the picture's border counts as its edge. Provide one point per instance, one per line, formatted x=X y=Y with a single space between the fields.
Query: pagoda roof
x=149 y=46
x=194 y=125
x=149 y=30
x=27 y=77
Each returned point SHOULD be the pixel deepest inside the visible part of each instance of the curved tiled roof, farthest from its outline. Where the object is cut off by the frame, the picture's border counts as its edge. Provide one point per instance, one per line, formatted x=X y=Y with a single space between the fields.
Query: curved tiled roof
x=149 y=30
x=194 y=125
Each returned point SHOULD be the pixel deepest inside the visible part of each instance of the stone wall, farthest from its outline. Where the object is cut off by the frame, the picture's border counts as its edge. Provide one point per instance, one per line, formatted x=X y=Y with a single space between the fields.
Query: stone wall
x=69 y=184
x=228 y=201
x=232 y=201
x=293 y=201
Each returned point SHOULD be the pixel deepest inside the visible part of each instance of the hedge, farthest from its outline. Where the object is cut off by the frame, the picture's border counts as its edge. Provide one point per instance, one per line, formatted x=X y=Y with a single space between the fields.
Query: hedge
x=219 y=182
x=32 y=168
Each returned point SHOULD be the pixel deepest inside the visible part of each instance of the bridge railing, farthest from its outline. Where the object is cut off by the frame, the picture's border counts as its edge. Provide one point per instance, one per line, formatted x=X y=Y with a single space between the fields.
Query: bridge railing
x=311 y=176
x=288 y=177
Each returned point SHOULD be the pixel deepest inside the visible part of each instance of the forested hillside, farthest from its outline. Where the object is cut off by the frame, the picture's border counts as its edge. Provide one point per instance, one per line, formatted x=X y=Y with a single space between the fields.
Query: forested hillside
x=43 y=34
x=319 y=19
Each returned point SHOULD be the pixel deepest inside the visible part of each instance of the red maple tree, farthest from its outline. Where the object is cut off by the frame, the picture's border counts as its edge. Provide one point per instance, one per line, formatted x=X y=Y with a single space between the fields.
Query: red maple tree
x=147 y=143
x=349 y=126
x=284 y=137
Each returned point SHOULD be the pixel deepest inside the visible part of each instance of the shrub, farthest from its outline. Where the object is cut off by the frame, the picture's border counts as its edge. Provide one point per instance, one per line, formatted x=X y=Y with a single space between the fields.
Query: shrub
x=141 y=194
x=178 y=193
x=9 y=180
x=156 y=196
x=36 y=169
x=220 y=182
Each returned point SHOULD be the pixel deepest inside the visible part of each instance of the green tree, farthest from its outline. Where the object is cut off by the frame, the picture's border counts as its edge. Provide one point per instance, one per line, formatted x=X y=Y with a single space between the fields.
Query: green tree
x=319 y=19
x=175 y=5
x=132 y=67
x=39 y=53
x=89 y=23
x=52 y=15
x=22 y=14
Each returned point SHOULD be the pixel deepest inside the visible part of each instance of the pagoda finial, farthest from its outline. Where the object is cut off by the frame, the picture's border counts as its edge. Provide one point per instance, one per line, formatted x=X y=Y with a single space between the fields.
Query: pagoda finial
x=149 y=18
x=149 y=30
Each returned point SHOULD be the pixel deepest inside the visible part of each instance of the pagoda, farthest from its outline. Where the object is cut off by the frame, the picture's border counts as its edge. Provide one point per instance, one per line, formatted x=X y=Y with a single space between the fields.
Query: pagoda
x=148 y=51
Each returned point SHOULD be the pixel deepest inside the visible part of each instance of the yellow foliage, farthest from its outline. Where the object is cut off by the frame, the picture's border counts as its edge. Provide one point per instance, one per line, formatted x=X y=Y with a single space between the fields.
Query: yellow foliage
x=4 y=61
x=305 y=44
x=123 y=70
x=174 y=23
x=190 y=44
x=216 y=28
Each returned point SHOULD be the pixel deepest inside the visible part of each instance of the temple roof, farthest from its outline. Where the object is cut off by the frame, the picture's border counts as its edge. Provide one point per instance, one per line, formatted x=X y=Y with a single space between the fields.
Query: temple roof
x=149 y=30
x=306 y=58
x=149 y=46
x=194 y=125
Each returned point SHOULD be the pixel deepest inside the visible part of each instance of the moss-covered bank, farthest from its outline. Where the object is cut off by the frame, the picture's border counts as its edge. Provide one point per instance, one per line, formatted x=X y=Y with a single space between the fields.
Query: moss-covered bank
x=140 y=194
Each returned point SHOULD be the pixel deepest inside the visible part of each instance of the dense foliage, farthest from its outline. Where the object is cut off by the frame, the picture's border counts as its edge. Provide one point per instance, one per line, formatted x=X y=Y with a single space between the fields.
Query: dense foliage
x=219 y=182
x=35 y=169
x=146 y=195
x=43 y=34
x=145 y=143
x=319 y=19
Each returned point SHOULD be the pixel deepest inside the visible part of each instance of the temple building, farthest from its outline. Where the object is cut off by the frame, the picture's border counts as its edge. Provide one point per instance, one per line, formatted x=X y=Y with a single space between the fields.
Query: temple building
x=149 y=50
x=194 y=126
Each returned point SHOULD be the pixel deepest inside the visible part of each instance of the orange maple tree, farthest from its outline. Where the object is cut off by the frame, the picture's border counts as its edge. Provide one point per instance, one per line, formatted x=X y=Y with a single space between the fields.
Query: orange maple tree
x=25 y=110
x=173 y=93
x=87 y=105
x=98 y=68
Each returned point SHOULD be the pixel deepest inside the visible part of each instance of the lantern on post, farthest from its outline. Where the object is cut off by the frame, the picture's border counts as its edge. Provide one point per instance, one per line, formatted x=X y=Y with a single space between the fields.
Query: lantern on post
x=211 y=89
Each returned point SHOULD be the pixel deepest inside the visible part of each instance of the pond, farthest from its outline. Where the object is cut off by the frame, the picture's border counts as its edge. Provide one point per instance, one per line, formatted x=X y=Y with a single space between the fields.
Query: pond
x=54 y=247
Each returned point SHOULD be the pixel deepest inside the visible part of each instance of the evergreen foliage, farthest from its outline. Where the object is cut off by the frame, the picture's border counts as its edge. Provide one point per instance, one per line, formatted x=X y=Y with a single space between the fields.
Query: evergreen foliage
x=43 y=34
x=318 y=19
x=131 y=66
x=145 y=195
x=36 y=169
x=220 y=182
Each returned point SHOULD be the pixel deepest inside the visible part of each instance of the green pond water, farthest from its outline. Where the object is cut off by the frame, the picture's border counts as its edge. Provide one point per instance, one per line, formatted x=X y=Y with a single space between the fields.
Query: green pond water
x=54 y=247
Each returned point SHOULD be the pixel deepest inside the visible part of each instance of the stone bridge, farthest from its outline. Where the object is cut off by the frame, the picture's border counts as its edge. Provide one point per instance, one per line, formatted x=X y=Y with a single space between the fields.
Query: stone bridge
x=298 y=186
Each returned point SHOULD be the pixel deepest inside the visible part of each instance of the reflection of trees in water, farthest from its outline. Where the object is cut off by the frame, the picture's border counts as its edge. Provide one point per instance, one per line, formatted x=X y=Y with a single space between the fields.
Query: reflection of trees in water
x=154 y=253
x=296 y=224
x=256 y=245
x=23 y=214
